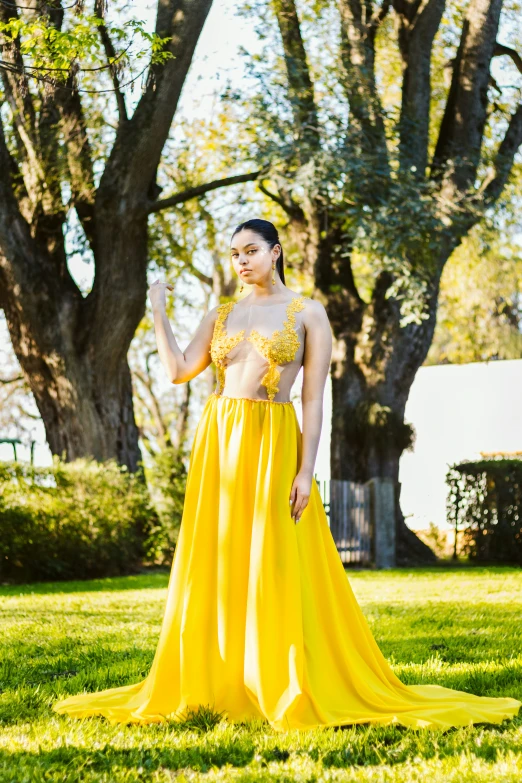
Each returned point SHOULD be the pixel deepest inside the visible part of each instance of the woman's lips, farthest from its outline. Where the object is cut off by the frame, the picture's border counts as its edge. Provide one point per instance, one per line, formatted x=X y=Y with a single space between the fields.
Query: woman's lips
x=245 y=270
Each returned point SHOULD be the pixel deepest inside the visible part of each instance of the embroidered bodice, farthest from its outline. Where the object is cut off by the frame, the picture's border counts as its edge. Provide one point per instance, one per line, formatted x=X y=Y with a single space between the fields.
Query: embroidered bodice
x=260 y=349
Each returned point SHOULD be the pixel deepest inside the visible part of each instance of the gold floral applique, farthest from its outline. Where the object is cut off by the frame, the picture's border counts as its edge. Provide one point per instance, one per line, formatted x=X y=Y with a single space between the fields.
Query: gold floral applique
x=221 y=344
x=280 y=348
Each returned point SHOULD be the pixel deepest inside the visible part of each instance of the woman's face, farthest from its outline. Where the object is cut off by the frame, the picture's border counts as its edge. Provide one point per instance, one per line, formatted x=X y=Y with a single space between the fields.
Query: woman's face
x=251 y=256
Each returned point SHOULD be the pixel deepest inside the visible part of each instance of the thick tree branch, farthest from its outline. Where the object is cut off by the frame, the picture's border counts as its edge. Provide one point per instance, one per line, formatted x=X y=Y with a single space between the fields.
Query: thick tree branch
x=140 y=141
x=276 y=198
x=79 y=160
x=300 y=88
x=462 y=127
x=418 y=25
x=291 y=207
x=512 y=141
x=20 y=102
x=28 y=275
x=126 y=190
x=357 y=49
x=39 y=143
x=60 y=114
x=50 y=214
x=38 y=147
x=200 y=190
x=500 y=50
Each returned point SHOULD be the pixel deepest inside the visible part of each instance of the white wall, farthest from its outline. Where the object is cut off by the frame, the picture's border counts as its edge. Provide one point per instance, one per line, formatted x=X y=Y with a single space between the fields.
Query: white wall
x=457 y=411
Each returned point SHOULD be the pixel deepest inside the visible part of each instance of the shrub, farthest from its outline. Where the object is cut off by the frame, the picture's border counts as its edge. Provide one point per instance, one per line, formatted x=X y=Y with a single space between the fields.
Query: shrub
x=75 y=520
x=485 y=505
x=167 y=477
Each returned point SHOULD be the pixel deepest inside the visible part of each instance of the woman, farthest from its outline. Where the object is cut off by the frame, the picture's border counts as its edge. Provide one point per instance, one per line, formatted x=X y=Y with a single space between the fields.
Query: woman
x=260 y=619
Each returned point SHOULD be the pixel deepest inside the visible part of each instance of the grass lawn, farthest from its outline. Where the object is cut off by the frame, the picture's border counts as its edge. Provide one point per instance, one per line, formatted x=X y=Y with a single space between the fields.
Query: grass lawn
x=459 y=628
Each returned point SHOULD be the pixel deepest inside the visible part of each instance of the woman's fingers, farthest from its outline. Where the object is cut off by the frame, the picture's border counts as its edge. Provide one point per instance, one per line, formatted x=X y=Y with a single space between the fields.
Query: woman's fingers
x=159 y=284
x=162 y=282
x=300 y=505
x=293 y=500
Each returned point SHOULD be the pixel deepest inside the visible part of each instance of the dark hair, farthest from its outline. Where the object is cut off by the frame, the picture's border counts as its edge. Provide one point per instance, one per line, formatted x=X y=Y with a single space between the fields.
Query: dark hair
x=269 y=233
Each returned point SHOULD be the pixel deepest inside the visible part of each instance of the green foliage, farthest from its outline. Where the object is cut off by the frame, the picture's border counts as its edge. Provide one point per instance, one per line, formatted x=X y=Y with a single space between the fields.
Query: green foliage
x=167 y=476
x=485 y=503
x=79 y=519
x=453 y=627
x=56 y=54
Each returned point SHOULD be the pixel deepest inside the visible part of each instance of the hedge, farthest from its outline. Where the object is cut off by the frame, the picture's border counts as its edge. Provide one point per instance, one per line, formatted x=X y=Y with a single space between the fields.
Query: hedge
x=485 y=506
x=75 y=520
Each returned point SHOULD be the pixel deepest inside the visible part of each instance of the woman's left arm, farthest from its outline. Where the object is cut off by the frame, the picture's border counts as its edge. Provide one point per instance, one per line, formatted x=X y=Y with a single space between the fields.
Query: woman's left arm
x=316 y=365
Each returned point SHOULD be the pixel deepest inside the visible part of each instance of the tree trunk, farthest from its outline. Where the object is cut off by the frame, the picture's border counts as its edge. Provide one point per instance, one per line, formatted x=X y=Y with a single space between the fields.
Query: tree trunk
x=368 y=437
x=81 y=385
x=374 y=363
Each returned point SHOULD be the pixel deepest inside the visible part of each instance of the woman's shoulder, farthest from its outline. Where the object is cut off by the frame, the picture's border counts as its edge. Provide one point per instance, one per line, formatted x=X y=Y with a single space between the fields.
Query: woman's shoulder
x=220 y=310
x=313 y=306
x=314 y=315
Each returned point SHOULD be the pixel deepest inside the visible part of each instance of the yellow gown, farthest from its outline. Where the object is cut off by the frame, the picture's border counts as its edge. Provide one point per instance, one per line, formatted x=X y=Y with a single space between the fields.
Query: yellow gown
x=260 y=619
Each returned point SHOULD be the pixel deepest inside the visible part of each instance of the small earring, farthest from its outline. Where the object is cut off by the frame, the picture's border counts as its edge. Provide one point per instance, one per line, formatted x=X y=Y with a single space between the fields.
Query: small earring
x=273 y=274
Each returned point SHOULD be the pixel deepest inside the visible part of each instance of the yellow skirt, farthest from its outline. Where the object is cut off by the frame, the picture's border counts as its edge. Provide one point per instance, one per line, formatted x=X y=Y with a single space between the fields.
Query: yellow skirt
x=260 y=619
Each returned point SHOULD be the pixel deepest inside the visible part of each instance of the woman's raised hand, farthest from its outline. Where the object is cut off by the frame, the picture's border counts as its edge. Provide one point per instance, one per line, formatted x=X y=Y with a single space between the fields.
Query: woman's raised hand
x=157 y=294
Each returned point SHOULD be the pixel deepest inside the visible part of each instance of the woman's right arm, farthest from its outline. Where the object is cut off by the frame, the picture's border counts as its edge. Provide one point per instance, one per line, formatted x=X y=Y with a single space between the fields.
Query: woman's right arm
x=180 y=366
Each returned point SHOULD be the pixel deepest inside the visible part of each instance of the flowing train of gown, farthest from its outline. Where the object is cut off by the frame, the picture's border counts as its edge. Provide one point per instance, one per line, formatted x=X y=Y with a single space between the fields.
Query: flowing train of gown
x=260 y=619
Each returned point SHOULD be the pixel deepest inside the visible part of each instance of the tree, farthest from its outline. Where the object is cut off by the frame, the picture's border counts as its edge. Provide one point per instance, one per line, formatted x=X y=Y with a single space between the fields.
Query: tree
x=401 y=184
x=72 y=348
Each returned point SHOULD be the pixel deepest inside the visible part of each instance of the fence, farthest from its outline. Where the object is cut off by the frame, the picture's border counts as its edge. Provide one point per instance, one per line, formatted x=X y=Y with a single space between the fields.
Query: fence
x=362 y=520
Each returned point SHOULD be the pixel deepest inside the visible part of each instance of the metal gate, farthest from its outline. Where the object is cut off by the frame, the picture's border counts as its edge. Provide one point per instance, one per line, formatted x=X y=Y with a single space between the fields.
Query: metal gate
x=347 y=505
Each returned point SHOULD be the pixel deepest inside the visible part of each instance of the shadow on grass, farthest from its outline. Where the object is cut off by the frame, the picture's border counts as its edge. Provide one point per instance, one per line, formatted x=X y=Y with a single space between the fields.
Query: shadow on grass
x=27 y=684
x=105 y=758
x=361 y=746
x=156 y=579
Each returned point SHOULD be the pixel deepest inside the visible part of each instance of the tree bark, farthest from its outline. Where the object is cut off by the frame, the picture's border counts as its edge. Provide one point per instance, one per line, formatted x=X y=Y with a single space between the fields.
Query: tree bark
x=73 y=350
x=374 y=363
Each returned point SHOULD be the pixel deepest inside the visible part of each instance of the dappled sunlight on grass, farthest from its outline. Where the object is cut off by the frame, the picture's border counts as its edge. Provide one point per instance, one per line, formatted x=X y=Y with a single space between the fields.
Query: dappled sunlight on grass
x=458 y=628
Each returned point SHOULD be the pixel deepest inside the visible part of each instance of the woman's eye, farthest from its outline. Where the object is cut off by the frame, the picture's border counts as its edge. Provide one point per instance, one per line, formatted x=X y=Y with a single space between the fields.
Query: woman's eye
x=251 y=251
